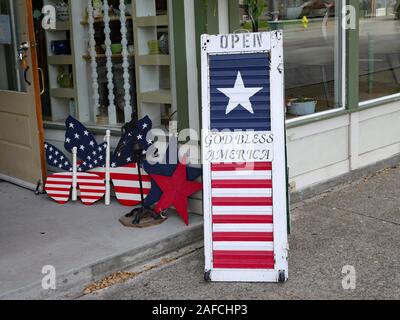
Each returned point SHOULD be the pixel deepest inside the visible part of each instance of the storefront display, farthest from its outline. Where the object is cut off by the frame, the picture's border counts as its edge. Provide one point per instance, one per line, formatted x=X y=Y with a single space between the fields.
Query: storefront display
x=118 y=168
x=105 y=44
x=94 y=169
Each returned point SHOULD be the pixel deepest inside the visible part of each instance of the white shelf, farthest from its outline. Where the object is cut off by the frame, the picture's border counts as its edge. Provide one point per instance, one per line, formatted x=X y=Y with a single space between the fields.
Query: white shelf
x=153 y=72
x=61 y=99
x=101 y=20
x=103 y=56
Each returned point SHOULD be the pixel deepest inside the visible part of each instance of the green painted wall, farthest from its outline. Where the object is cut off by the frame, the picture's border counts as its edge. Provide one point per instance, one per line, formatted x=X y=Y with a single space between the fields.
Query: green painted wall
x=206 y=21
x=234 y=15
x=212 y=17
x=178 y=16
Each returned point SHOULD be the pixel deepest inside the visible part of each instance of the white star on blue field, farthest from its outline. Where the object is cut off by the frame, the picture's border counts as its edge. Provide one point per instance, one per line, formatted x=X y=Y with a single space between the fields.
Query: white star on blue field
x=240 y=92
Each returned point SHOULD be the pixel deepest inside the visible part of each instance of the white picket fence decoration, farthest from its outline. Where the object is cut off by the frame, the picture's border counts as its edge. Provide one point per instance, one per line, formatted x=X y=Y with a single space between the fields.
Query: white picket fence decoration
x=112 y=114
x=93 y=59
x=125 y=60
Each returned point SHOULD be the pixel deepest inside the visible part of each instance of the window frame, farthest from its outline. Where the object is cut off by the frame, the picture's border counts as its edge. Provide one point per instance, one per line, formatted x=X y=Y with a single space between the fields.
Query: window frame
x=348 y=74
x=344 y=67
x=341 y=69
x=377 y=101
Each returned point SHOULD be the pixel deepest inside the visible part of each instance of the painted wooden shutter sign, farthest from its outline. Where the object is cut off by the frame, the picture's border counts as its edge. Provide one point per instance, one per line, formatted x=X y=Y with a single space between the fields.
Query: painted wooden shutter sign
x=244 y=157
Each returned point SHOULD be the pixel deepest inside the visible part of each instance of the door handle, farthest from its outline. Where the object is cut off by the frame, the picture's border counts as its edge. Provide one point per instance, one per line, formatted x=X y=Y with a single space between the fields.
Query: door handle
x=43 y=85
x=26 y=76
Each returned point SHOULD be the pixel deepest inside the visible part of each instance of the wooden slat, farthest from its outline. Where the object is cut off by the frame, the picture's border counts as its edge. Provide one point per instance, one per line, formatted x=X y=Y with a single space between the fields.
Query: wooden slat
x=103 y=56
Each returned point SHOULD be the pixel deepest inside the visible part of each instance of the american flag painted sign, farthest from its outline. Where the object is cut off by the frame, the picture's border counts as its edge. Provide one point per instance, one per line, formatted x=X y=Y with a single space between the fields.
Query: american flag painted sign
x=123 y=171
x=125 y=180
x=91 y=187
x=244 y=159
x=242 y=218
x=124 y=177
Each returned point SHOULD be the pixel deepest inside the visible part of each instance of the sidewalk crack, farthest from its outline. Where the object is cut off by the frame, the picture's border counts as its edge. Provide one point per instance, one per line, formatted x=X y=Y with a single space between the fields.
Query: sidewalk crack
x=363 y=215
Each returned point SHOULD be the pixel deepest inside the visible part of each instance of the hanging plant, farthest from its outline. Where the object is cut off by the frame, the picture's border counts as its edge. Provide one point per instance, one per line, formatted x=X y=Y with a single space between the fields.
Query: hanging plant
x=254 y=9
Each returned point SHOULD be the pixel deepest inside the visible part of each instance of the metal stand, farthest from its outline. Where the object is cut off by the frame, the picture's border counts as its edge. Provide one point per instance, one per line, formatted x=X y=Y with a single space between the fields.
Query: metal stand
x=141 y=212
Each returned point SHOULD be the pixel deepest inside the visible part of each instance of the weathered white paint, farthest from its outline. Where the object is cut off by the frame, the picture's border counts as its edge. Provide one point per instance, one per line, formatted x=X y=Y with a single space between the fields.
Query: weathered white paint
x=267 y=43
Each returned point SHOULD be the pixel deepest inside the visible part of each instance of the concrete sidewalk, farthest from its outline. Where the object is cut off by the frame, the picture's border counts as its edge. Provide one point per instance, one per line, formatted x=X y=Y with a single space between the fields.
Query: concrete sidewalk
x=356 y=225
x=84 y=244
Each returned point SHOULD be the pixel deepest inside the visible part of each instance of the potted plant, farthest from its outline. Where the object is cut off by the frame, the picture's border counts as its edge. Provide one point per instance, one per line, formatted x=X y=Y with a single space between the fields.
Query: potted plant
x=301 y=106
x=97 y=8
x=254 y=9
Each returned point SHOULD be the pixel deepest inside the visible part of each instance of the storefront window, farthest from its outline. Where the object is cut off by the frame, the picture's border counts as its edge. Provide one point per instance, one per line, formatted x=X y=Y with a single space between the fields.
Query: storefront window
x=312 y=47
x=104 y=66
x=12 y=74
x=379 y=48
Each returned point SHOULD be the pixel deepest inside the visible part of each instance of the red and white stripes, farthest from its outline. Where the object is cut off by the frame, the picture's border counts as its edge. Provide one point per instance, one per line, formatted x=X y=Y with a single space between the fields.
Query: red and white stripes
x=126 y=184
x=242 y=216
x=91 y=187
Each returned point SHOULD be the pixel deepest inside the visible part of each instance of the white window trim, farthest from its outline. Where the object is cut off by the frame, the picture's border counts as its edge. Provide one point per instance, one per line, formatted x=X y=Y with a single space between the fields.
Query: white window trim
x=315 y=115
x=381 y=100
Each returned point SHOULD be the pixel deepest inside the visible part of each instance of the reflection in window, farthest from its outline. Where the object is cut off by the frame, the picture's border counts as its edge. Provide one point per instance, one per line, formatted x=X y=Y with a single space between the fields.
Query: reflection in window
x=379 y=48
x=11 y=75
x=311 y=48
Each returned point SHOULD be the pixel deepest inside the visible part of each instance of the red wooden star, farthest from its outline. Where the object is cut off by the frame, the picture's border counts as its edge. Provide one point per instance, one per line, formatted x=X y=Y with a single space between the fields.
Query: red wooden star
x=176 y=190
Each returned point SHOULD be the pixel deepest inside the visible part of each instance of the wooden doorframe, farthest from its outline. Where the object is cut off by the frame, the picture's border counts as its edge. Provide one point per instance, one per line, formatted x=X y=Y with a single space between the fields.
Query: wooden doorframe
x=36 y=84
